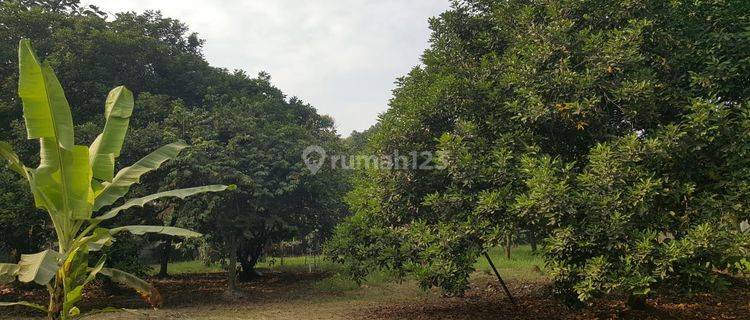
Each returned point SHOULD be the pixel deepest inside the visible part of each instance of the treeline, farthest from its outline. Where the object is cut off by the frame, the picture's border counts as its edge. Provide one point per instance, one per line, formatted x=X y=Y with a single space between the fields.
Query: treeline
x=242 y=130
x=614 y=133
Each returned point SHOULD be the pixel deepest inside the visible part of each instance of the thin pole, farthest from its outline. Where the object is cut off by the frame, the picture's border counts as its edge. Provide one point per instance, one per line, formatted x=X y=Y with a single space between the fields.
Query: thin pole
x=507 y=292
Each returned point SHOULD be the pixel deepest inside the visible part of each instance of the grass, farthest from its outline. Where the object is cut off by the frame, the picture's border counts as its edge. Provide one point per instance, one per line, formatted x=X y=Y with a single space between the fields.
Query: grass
x=520 y=266
x=291 y=264
x=336 y=296
x=187 y=267
x=297 y=264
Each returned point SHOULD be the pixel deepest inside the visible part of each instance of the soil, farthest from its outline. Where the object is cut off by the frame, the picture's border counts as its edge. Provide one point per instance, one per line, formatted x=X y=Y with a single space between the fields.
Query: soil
x=535 y=302
x=285 y=295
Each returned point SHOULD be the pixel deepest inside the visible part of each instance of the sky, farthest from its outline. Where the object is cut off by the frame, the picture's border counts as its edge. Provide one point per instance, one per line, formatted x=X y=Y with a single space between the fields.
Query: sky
x=341 y=56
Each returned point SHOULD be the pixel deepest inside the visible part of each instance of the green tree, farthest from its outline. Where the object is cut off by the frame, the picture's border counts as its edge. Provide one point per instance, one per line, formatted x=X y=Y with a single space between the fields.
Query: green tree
x=517 y=95
x=256 y=142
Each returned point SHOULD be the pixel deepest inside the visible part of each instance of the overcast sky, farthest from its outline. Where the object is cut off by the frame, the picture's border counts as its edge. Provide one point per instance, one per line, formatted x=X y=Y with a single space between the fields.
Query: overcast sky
x=341 y=56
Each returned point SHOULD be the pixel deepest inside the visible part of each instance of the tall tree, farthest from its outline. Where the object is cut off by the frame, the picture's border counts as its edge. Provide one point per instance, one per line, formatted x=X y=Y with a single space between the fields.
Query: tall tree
x=256 y=142
x=514 y=91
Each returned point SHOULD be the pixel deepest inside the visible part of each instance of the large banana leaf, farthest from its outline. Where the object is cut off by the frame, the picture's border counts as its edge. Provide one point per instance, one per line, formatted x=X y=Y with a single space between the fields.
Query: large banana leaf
x=72 y=180
x=45 y=109
x=145 y=289
x=131 y=175
x=8 y=272
x=102 y=164
x=170 y=231
x=107 y=146
x=179 y=193
x=62 y=181
x=67 y=188
x=78 y=185
x=39 y=267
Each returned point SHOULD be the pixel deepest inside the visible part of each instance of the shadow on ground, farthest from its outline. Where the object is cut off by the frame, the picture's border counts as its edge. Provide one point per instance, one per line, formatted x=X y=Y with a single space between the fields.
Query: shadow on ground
x=289 y=295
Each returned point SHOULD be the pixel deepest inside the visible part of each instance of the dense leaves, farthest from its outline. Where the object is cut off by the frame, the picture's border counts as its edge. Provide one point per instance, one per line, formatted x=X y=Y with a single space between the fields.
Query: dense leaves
x=616 y=129
x=650 y=210
x=256 y=143
x=250 y=129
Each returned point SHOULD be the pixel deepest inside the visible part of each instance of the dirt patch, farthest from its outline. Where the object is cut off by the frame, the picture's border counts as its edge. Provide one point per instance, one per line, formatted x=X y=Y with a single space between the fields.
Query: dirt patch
x=188 y=290
x=285 y=295
x=534 y=301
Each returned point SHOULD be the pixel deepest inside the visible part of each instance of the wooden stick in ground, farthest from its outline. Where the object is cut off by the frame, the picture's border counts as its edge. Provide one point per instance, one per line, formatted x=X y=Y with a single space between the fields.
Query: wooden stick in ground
x=507 y=292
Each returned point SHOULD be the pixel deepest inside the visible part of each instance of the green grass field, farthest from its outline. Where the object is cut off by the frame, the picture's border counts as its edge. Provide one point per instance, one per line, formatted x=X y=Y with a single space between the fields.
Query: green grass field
x=295 y=264
x=335 y=296
x=520 y=266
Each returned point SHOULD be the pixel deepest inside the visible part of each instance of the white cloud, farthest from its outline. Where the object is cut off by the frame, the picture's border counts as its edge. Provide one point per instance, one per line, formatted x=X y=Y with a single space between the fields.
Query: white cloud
x=340 y=56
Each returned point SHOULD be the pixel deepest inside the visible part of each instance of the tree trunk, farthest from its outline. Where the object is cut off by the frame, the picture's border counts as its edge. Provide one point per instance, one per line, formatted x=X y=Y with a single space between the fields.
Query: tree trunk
x=532 y=241
x=232 y=267
x=248 y=255
x=166 y=251
x=507 y=247
x=14 y=255
x=166 y=246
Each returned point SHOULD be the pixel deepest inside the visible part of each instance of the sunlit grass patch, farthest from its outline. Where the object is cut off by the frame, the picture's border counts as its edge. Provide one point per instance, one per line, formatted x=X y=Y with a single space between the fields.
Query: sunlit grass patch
x=298 y=264
x=523 y=264
x=290 y=264
x=188 y=267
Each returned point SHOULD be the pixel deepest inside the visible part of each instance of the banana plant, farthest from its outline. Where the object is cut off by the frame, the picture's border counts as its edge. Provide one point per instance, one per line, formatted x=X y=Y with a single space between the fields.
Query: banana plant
x=72 y=182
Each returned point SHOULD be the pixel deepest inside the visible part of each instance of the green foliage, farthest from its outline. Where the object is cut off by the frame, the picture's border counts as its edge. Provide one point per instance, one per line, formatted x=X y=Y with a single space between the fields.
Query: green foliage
x=151 y=54
x=180 y=97
x=68 y=182
x=357 y=244
x=653 y=211
x=255 y=142
x=124 y=254
x=607 y=126
x=26 y=233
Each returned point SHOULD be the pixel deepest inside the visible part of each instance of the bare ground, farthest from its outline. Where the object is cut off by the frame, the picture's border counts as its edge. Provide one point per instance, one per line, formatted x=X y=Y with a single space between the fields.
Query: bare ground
x=287 y=295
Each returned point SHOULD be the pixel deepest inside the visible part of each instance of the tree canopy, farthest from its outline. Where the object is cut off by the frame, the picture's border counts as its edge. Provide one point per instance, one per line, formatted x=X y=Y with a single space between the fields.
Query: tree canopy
x=591 y=123
x=242 y=129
